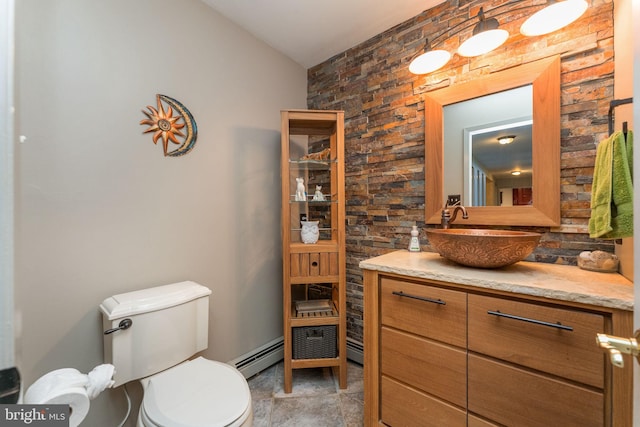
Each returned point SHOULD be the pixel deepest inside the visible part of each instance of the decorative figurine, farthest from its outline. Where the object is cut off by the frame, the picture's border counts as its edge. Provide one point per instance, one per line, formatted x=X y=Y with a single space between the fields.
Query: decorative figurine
x=310 y=231
x=321 y=155
x=301 y=195
x=318 y=196
x=414 y=243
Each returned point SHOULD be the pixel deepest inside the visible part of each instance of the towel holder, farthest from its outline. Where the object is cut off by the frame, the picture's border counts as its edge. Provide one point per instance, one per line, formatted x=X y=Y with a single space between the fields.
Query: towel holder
x=613 y=104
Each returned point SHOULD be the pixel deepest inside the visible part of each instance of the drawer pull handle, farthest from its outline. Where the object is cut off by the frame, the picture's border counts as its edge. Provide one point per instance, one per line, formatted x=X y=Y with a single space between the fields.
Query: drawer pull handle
x=435 y=301
x=526 y=319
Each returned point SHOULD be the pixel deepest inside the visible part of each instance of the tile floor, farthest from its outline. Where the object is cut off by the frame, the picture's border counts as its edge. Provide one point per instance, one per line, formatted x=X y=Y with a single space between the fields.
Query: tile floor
x=316 y=399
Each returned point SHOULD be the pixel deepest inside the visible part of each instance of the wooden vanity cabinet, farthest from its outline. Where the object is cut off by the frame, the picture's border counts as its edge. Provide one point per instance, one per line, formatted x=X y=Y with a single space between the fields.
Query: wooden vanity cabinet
x=441 y=354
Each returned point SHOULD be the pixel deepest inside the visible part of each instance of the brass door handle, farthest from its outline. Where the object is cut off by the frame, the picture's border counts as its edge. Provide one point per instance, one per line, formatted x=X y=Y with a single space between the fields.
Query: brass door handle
x=615 y=346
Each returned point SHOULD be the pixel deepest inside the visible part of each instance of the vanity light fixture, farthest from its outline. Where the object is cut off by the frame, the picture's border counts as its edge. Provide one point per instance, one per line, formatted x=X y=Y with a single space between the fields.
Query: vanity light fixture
x=508 y=139
x=553 y=17
x=487 y=36
x=430 y=60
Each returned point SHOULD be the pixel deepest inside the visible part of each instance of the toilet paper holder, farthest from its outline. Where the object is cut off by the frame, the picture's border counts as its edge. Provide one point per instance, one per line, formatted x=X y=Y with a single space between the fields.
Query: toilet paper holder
x=124 y=324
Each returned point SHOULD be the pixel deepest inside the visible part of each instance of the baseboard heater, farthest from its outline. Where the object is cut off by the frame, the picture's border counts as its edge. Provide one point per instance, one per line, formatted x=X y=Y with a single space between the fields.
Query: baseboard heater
x=261 y=358
x=272 y=352
x=355 y=351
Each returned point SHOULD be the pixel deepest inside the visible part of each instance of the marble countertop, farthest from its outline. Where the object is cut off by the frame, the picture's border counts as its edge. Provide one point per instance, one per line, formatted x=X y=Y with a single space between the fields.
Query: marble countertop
x=559 y=282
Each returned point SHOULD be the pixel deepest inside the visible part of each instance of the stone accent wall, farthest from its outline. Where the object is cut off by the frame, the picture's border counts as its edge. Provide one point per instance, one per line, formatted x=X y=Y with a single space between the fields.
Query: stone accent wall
x=384 y=125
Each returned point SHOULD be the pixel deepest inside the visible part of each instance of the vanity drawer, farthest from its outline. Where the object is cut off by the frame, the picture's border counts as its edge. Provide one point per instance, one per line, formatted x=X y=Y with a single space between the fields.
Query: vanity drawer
x=571 y=354
x=435 y=368
x=515 y=397
x=432 y=312
x=404 y=406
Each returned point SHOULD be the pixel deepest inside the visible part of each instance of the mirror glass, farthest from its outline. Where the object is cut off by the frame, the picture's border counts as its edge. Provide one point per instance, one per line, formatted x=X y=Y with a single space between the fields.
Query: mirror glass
x=499 y=171
x=476 y=144
x=535 y=202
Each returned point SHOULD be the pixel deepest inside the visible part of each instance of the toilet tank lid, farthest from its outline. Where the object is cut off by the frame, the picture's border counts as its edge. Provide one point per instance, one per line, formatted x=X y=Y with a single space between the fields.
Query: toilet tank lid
x=152 y=299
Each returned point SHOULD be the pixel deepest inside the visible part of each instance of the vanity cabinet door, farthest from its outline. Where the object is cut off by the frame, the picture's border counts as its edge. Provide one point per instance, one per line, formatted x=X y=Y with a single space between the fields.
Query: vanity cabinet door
x=429 y=311
x=537 y=338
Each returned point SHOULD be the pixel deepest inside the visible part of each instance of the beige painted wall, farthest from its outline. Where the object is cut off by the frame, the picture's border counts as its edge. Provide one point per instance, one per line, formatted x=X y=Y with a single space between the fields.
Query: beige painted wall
x=100 y=210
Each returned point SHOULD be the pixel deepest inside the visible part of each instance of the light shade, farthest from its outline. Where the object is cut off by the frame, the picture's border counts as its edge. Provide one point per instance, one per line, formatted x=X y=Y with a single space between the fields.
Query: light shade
x=486 y=37
x=429 y=61
x=483 y=42
x=553 y=17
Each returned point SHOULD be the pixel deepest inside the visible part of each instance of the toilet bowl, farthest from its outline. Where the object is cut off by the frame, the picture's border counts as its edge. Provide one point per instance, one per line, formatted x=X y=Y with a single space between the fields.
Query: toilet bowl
x=150 y=335
x=197 y=393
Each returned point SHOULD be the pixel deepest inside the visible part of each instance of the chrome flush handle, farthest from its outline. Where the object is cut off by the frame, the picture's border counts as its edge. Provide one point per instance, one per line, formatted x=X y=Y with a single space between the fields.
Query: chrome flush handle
x=124 y=324
x=615 y=346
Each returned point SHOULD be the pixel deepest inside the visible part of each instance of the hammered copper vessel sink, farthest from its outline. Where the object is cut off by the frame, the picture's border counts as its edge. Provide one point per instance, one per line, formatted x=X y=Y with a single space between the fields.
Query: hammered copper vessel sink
x=483 y=248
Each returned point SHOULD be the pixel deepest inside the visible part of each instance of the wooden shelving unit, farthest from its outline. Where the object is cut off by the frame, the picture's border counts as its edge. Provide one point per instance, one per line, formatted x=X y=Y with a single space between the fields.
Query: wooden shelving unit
x=314 y=270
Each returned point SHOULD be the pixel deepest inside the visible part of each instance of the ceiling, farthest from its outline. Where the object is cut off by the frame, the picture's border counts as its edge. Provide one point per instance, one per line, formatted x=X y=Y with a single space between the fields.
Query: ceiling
x=312 y=31
x=500 y=160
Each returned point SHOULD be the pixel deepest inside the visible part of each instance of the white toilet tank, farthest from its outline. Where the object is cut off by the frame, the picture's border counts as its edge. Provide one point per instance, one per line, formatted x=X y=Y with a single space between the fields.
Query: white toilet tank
x=169 y=324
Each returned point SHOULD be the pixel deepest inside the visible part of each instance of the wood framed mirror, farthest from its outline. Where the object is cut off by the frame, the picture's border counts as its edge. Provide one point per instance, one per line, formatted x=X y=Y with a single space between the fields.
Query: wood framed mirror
x=544 y=76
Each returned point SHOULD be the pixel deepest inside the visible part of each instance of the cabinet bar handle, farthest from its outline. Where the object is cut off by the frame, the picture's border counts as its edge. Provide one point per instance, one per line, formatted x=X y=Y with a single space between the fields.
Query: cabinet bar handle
x=435 y=301
x=526 y=319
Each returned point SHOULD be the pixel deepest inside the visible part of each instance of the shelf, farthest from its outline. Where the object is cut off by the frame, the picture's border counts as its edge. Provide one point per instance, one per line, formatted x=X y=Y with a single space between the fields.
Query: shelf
x=293 y=200
x=312 y=159
x=315 y=321
x=306 y=122
x=309 y=280
x=314 y=317
x=319 y=246
x=322 y=165
x=319 y=229
x=316 y=363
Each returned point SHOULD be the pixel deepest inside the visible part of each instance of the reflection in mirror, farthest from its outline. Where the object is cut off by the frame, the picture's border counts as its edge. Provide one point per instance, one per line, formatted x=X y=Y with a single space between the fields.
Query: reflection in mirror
x=499 y=170
x=539 y=208
x=471 y=129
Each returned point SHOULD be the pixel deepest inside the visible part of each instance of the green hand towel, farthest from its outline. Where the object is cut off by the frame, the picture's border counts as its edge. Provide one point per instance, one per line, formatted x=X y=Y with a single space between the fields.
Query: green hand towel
x=612 y=189
x=622 y=209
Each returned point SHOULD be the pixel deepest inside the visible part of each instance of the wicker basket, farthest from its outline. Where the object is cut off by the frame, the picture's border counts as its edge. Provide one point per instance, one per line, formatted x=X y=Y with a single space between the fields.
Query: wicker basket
x=314 y=342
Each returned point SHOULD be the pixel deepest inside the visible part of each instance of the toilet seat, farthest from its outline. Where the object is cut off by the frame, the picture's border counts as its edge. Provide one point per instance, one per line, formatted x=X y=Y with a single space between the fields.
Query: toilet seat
x=197 y=393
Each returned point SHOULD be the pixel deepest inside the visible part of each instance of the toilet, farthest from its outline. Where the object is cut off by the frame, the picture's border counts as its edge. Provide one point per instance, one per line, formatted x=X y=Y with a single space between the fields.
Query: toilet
x=150 y=335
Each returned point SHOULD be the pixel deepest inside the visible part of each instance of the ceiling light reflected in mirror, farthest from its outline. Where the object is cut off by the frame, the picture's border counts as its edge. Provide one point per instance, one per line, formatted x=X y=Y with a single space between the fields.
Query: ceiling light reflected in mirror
x=504 y=140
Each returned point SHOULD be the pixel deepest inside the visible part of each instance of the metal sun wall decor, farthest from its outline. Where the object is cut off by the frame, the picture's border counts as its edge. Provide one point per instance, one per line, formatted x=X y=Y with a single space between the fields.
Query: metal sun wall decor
x=168 y=127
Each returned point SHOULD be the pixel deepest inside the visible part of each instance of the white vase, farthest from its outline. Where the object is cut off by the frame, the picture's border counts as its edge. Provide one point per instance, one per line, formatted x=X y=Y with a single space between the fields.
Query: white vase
x=310 y=231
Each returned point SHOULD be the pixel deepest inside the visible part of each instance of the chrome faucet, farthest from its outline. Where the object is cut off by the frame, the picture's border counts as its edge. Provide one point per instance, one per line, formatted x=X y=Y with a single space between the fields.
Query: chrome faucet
x=449 y=215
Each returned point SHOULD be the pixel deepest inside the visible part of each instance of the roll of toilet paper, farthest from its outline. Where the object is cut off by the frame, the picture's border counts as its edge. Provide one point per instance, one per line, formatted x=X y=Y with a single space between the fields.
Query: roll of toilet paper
x=61 y=387
x=78 y=401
